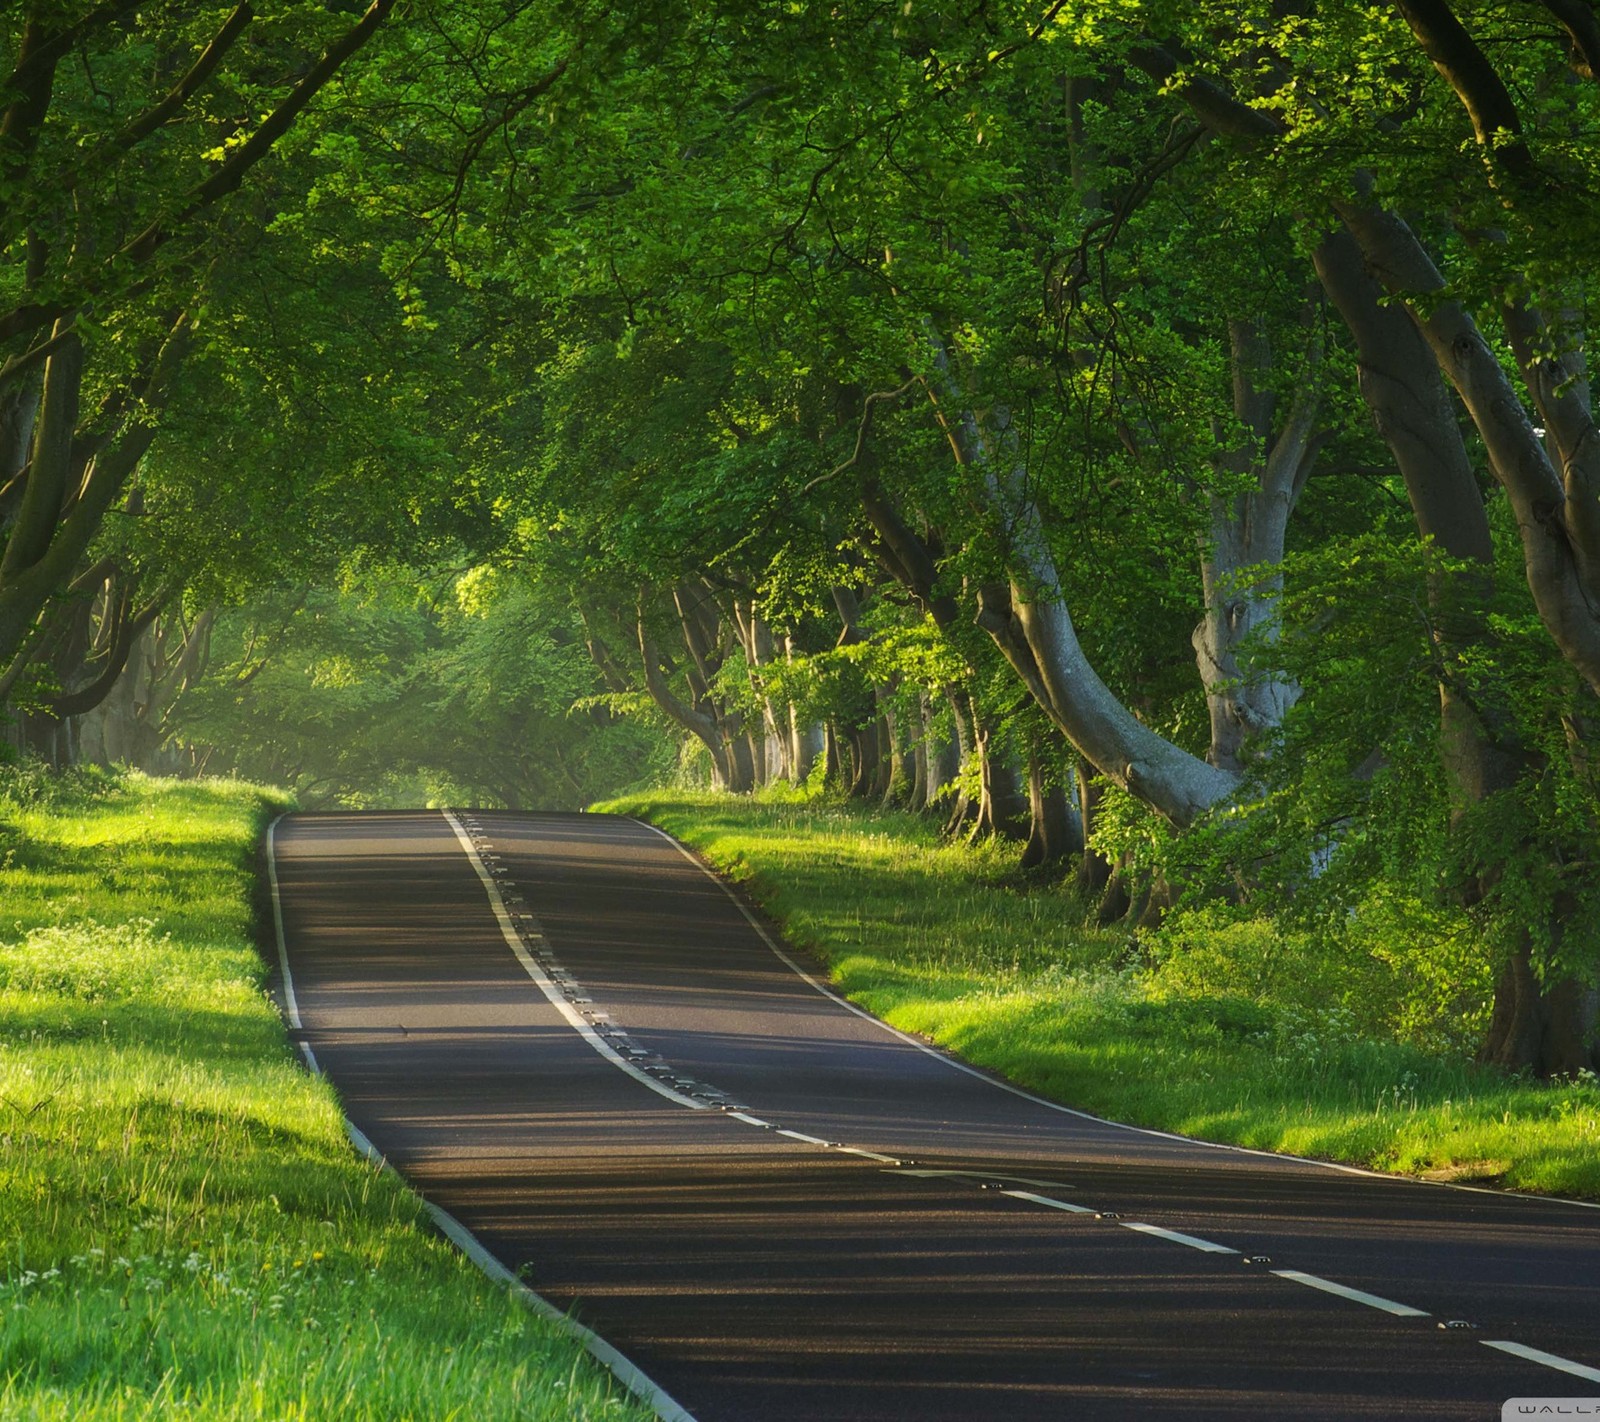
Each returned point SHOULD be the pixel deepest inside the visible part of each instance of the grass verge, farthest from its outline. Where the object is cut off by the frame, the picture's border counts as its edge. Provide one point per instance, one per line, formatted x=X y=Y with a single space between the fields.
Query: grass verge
x=936 y=939
x=185 y=1230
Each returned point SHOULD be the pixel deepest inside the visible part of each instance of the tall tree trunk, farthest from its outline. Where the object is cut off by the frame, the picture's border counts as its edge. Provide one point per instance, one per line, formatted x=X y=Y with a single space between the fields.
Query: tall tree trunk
x=726 y=773
x=916 y=798
x=1247 y=531
x=19 y=409
x=1403 y=386
x=896 y=773
x=1558 y=512
x=1030 y=623
x=1548 y=1026
x=741 y=754
x=1094 y=869
x=942 y=756
x=73 y=481
x=808 y=742
x=1054 y=834
x=962 y=808
x=807 y=739
x=836 y=756
x=760 y=651
x=1003 y=803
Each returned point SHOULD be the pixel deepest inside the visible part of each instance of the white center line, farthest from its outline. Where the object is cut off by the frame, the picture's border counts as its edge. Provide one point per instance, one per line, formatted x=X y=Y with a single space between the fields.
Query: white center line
x=546 y=985
x=928 y=1174
x=1399 y=1310
x=1046 y=1200
x=802 y=1136
x=1550 y=1360
x=1193 y=1241
x=638 y=1382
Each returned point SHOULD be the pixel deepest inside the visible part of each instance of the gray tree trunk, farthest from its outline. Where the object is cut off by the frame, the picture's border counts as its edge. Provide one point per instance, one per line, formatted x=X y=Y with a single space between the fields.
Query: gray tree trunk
x=1247 y=531
x=1054 y=833
x=1030 y=623
x=1558 y=510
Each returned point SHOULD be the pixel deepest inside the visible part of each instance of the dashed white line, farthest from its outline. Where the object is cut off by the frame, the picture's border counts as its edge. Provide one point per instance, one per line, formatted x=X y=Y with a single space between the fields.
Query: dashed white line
x=983 y=1175
x=553 y=993
x=1046 y=1200
x=868 y=1154
x=1550 y=1360
x=1193 y=1241
x=1273 y=1155
x=1313 y=1281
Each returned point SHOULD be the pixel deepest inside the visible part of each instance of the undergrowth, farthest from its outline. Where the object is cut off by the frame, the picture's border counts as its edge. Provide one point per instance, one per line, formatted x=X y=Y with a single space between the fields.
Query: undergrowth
x=940 y=939
x=184 y=1229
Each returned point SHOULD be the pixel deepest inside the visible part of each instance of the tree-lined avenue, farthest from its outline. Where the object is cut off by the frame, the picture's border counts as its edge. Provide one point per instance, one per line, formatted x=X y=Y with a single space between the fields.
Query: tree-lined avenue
x=754 y=1274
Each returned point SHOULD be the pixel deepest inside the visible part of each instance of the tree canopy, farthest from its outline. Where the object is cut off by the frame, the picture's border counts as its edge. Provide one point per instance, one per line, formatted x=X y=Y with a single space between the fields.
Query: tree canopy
x=1159 y=433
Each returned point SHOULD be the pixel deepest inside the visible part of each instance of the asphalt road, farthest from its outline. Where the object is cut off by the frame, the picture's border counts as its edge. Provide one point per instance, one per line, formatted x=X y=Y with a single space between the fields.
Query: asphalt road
x=923 y=1242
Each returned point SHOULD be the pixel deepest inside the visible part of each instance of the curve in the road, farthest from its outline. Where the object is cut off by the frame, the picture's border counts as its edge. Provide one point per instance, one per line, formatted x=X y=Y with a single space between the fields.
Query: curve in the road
x=640 y=1384
x=757 y=1278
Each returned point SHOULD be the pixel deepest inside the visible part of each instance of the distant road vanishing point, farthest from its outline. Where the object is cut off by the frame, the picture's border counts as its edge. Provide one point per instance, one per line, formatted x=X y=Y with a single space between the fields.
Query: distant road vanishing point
x=568 y=1035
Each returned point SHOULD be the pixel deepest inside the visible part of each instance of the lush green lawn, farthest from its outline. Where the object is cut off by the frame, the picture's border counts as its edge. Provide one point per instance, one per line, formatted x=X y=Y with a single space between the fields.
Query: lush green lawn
x=185 y=1229
x=936 y=939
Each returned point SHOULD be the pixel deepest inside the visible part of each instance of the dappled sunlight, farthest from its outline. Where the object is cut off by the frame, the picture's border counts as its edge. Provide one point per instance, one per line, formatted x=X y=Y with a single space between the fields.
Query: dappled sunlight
x=935 y=942
x=191 y=1233
x=735 y=1259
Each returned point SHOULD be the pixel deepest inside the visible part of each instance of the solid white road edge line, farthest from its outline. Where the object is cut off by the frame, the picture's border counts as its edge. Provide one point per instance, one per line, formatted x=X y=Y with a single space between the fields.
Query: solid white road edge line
x=639 y=1383
x=575 y=1019
x=290 y=1006
x=1193 y=1241
x=950 y=1061
x=1399 y=1310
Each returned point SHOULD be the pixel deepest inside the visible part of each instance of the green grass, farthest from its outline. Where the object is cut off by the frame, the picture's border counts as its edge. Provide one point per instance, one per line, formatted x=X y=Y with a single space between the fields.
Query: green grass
x=938 y=939
x=184 y=1229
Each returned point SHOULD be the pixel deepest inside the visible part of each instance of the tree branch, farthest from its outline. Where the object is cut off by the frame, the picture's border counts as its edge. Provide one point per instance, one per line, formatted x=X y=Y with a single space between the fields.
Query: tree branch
x=232 y=173
x=1582 y=25
x=1212 y=104
x=178 y=96
x=1456 y=55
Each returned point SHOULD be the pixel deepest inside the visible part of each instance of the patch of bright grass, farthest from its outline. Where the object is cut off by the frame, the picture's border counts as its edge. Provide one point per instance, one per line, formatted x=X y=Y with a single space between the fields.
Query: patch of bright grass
x=935 y=938
x=184 y=1229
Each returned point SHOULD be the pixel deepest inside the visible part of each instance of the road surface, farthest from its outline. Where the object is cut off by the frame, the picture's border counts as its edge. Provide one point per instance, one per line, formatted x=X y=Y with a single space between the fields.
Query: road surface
x=567 y=1034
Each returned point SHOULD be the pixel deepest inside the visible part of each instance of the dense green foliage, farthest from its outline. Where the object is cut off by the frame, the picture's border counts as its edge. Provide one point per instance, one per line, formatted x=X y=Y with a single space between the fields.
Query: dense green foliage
x=1158 y=432
x=1149 y=446
x=187 y=1230
x=394 y=691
